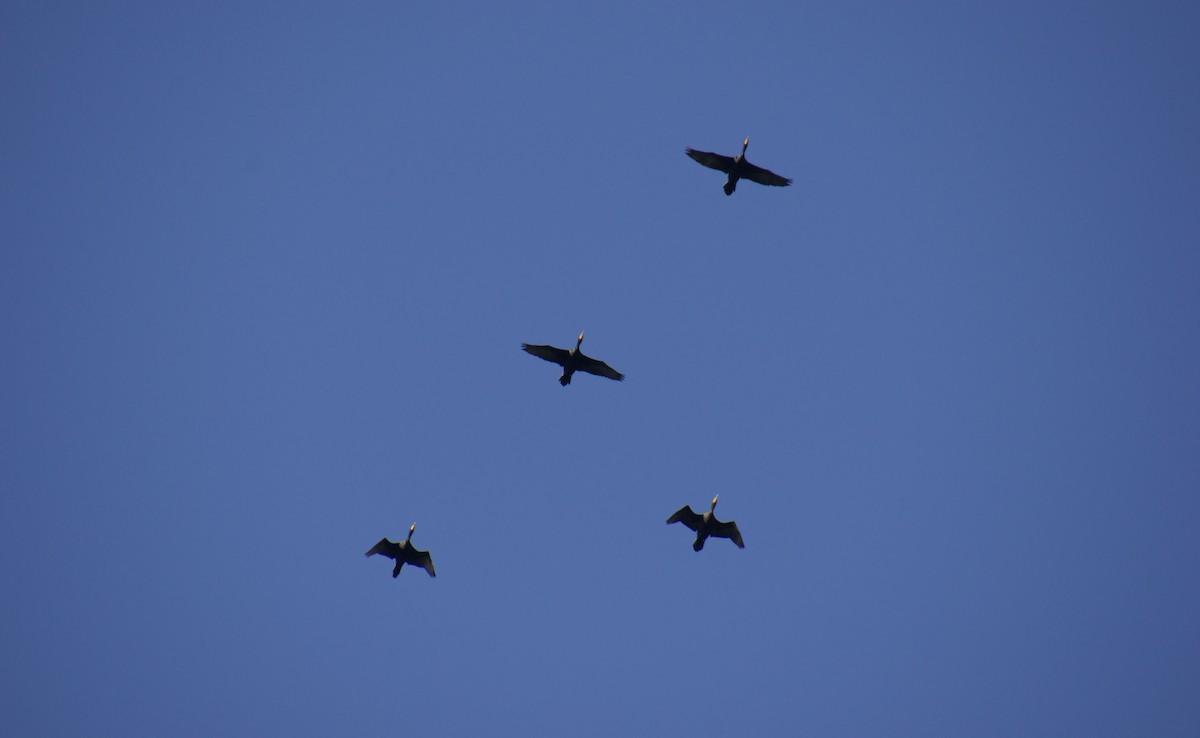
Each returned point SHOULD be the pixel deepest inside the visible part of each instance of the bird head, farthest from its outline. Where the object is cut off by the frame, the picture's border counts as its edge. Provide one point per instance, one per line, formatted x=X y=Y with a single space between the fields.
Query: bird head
x=745 y=144
x=580 y=339
x=714 y=502
x=411 y=528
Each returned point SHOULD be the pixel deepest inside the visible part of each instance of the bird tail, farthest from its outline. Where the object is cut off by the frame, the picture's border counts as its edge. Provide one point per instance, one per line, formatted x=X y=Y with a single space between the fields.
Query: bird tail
x=396 y=571
x=565 y=379
x=699 y=544
x=730 y=186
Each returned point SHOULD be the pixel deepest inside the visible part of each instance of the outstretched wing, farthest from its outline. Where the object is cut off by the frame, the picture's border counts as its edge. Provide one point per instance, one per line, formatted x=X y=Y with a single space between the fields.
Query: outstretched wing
x=727 y=530
x=687 y=517
x=386 y=548
x=711 y=160
x=599 y=368
x=549 y=353
x=763 y=176
x=423 y=560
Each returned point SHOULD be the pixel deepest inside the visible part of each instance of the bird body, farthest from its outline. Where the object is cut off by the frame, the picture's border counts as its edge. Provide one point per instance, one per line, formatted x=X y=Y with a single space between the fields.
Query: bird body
x=737 y=168
x=404 y=553
x=707 y=525
x=573 y=360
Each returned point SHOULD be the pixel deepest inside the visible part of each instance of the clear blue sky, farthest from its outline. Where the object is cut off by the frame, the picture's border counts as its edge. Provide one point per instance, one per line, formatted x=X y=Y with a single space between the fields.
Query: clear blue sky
x=264 y=274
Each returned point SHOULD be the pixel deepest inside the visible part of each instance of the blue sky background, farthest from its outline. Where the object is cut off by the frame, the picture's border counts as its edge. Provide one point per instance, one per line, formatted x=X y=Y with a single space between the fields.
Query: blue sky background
x=264 y=275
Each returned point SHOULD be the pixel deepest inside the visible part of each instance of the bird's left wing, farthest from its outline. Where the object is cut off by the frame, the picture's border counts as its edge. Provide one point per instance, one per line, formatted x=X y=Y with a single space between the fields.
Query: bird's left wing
x=423 y=560
x=599 y=368
x=549 y=353
x=763 y=176
x=728 y=530
x=711 y=160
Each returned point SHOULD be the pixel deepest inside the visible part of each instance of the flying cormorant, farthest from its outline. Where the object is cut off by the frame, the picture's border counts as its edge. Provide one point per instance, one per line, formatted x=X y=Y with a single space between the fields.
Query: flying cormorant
x=707 y=525
x=404 y=553
x=738 y=168
x=573 y=361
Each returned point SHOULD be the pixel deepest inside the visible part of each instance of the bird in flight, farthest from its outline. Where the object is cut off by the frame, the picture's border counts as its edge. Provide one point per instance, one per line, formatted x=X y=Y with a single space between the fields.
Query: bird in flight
x=738 y=168
x=404 y=553
x=573 y=361
x=707 y=525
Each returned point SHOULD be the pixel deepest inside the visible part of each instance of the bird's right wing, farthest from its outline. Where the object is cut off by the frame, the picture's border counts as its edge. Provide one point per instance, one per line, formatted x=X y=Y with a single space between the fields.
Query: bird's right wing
x=385 y=547
x=549 y=353
x=711 y=160
x=687 y=517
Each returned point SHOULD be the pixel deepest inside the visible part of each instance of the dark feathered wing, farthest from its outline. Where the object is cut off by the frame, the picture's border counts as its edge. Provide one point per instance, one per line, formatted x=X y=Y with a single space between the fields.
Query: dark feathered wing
x=711 y=160
x=727 y=530
x=385 y=548
x=599 y=368
x=549 y=353
x=423 y=560
x=687 y=517
x=763 y=176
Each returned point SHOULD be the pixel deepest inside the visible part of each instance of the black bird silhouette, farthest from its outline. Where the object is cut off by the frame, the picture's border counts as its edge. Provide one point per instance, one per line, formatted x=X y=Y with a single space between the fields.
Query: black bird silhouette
x=404 y=553
x=573 y=361
x=707 y=525
x=738 y=168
